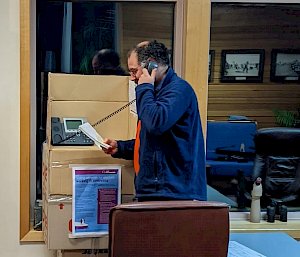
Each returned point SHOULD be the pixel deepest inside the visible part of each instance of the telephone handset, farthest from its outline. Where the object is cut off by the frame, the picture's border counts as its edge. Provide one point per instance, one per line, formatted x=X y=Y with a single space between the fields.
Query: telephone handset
x=149 y=65
x=66 y=132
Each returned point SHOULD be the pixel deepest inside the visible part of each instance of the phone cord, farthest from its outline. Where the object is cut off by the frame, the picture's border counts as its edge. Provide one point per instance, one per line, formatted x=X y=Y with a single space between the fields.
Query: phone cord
x=100 y=121
x=113 y=113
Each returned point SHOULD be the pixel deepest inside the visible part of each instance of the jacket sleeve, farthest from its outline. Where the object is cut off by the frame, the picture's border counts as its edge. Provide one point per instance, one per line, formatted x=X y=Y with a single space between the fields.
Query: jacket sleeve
x=125 y=149
x=160 y=113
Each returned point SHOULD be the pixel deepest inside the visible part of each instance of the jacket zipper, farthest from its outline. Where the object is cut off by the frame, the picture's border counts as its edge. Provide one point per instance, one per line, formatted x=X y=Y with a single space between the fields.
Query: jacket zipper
x=155 y=172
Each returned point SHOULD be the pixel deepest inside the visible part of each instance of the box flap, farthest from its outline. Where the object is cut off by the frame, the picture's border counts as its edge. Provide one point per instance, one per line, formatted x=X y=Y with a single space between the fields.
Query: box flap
x=68 y=87
x=60 y=174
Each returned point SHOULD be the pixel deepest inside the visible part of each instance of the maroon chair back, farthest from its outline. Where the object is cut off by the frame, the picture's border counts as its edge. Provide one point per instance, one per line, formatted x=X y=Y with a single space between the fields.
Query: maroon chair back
x=169 y=229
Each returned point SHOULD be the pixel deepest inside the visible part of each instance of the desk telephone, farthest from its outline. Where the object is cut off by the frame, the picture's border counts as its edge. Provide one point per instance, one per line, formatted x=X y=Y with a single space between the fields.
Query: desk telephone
x=66 y=132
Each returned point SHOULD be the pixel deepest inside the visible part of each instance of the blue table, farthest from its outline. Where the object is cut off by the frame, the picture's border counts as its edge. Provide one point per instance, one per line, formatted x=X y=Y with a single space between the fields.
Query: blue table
x=269 y=244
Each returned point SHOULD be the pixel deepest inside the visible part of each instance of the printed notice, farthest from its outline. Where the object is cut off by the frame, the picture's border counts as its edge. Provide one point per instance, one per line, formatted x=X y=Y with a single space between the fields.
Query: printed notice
x=96 y=189
x=236 y=249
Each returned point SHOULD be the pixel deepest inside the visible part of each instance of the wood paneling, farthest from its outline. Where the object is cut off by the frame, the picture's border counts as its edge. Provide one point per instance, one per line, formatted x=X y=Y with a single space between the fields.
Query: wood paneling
x=244 y=226
x=24 y=117
x=252 y=27
x=196 y=51
x=146 y=21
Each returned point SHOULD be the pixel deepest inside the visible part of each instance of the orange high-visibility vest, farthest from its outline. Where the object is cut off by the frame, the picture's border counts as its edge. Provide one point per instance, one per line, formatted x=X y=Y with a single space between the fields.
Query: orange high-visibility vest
x=136 y=163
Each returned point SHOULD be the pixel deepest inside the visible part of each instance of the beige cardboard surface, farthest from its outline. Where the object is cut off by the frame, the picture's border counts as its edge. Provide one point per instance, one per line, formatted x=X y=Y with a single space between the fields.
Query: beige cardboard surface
x=132 y=126
x=69 y=87
x=57 y=175
x=92 y=97
x=82 y=253
x=57 y=217
x=45 y=171
x=56 y=226
x=104 y=100
x=116 y=127
x=45 y=219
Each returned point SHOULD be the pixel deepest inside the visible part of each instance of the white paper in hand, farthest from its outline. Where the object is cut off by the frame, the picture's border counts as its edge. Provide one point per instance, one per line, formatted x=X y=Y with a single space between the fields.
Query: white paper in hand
x=89 y=131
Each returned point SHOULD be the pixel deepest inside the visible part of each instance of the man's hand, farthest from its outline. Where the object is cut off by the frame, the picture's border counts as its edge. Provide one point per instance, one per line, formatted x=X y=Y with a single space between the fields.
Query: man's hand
x=146 y=77
x=113 y=146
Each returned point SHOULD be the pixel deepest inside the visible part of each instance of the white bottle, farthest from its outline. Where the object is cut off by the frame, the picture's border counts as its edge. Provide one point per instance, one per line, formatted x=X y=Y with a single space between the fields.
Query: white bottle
x=255 y=203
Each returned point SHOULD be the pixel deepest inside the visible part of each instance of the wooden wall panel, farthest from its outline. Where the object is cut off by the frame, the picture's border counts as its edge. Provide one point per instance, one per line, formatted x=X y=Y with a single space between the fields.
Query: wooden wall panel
x=146 y=21
x=196 y=51
x=24 y=118
x=252 y=27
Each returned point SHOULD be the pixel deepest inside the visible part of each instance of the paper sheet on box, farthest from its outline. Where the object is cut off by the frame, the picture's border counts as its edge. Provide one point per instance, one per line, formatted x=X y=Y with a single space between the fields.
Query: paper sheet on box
x=236 y=249
x=131 y=97
x=89 y=131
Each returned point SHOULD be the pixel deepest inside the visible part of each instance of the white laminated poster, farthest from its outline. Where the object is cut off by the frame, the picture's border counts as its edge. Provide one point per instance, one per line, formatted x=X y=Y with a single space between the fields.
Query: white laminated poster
x=96 y=189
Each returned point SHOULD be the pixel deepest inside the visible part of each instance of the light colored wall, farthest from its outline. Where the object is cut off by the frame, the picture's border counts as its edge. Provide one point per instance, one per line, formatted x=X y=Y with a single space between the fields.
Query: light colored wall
x=9 y=136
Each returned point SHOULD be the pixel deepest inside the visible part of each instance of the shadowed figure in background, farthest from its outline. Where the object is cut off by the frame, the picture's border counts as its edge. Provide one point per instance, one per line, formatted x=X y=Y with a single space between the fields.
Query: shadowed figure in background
x=107 y=62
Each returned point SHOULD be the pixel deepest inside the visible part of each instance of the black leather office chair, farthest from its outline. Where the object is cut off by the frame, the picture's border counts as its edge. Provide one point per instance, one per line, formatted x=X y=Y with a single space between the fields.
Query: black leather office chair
x=277 y=162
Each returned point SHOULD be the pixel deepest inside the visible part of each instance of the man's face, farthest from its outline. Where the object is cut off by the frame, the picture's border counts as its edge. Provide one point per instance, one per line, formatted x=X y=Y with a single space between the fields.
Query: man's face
x=135 y=70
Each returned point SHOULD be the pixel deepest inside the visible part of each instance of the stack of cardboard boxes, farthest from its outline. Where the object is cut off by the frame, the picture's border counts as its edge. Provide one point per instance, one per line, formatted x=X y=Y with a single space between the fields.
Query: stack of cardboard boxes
x=92 y=97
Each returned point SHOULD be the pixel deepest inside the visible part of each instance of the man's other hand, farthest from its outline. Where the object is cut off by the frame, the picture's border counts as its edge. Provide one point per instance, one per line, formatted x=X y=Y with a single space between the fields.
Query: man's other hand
x=113 y=146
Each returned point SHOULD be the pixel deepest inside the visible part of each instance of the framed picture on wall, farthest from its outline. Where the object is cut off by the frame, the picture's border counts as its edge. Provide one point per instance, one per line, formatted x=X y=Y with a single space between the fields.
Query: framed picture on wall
x=285 y=65
x=211 y=58
x=243 y=65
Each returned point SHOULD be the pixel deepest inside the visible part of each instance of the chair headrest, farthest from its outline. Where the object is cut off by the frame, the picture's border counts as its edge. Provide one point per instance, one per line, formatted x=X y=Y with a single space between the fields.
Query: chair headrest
x=278 y=141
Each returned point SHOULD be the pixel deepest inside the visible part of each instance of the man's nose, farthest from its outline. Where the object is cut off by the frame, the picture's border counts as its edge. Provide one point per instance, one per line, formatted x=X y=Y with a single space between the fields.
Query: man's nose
x=132 y=77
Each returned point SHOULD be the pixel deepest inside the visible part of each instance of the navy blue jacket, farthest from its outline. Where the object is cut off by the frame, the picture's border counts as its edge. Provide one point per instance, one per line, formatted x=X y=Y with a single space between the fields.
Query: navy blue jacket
x=171 y=152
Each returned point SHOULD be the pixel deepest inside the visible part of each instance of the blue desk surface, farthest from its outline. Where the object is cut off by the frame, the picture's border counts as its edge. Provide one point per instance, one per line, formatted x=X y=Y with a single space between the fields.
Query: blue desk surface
x=269 y=244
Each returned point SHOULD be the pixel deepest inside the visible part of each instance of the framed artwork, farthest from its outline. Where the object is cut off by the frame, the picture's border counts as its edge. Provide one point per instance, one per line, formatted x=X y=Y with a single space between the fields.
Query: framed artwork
x=211 y=58
x=285 y=65
x=244 y=65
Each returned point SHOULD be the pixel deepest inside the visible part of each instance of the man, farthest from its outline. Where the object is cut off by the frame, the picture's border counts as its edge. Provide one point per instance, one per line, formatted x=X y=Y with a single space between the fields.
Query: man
x=107 y=62
x=168 y=151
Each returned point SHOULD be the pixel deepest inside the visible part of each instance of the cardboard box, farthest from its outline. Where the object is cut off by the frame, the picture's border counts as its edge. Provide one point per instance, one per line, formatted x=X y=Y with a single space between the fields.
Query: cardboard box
x=83 y=253
x=93 y=97
x=57 y=174
x=57 y=216
x=116 y=127
x=70 y=87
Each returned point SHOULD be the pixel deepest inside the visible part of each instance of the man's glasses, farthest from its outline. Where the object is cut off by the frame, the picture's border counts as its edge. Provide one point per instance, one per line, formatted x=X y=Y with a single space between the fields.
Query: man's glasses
x=133 y=71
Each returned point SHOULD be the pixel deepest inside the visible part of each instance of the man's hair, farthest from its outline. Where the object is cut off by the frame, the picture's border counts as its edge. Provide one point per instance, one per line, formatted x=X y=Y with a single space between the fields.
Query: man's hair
x=152 y=50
